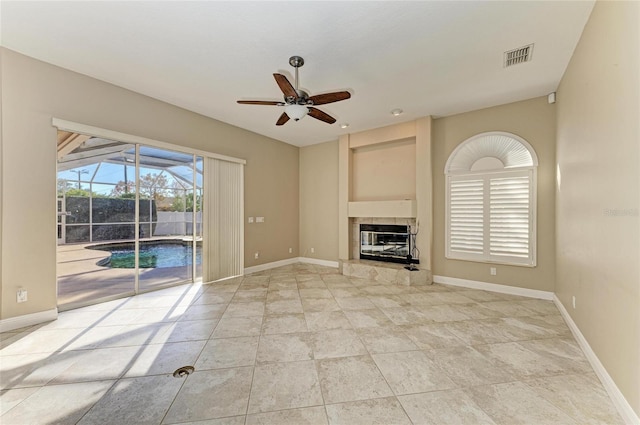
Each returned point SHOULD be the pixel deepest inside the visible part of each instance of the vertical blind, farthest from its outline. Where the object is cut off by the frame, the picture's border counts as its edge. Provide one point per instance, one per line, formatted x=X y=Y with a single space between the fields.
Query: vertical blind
x=490 y=217
x=225 y=224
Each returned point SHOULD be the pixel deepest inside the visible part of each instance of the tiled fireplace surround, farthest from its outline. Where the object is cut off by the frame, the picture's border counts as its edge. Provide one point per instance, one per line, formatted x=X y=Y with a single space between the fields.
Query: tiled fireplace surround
x=379 y=271
x=394 y=208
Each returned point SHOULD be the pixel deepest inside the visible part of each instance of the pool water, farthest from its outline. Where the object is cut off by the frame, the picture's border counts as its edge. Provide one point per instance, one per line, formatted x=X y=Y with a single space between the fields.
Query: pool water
x=152 y=255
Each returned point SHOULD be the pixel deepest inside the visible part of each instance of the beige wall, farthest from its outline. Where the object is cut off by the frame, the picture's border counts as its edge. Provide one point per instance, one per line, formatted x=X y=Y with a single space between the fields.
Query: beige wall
x=319 y=201
x=33 y=92
x=533 y=120
x=1 y=179
x=385 y=171
x=597 y=222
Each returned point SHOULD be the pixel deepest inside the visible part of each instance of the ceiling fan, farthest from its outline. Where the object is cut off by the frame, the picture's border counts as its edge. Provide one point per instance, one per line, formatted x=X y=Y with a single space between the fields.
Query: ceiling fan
x=297 y=102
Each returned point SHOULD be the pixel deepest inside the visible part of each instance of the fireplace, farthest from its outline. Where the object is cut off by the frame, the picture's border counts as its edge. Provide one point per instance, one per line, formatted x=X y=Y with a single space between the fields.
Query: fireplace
x=385 y=242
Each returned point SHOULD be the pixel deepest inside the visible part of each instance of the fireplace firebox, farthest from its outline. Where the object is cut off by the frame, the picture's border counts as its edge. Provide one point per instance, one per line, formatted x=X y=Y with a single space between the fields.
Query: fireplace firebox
x=385 y=242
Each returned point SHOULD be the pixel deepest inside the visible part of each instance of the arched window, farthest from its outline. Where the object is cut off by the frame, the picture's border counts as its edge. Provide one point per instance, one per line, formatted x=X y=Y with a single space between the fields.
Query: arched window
x=491 y=200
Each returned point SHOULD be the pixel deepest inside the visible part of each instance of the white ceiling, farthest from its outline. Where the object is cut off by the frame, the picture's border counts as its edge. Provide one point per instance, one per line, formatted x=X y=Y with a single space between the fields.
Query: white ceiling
x=428 y=58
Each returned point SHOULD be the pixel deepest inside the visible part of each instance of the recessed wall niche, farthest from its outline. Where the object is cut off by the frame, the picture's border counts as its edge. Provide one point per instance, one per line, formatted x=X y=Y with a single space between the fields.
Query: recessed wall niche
x=384 y=171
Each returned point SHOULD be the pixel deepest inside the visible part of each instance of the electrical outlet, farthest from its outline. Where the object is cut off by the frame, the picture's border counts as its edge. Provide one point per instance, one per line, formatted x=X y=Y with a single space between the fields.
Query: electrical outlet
x=290 y=250
x=250 y=219
x=256 y=255
x=493 y=271
x=21 y=295
x=259 y=219
x=313 y=250
x=574 y=301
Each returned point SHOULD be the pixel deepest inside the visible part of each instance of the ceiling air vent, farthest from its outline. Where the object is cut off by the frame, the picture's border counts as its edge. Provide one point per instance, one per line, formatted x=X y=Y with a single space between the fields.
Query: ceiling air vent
x=519 y=55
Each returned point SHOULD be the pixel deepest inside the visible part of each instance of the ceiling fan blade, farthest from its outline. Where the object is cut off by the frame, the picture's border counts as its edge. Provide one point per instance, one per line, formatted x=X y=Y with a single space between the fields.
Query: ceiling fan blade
x=285 y=86
x=283 y=119
x=322 y=116
x=323 y=99
x=260 y=102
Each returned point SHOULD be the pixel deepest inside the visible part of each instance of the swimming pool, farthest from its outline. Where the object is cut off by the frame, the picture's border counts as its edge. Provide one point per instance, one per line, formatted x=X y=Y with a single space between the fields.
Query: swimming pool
x=153 y=254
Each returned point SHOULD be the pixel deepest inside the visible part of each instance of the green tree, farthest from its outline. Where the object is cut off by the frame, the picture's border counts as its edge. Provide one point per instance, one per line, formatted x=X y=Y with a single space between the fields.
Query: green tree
x=78 y=193
x=63 y=186
x=152 y=186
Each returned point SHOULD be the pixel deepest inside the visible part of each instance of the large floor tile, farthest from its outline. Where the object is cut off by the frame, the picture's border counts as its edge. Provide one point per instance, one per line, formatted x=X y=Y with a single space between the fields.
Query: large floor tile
x=412 y=372
x=288 y=306
x=34 y=369
x=99 y=364
x=379 y=411
x=405 y=316
x=478 y=332
x=319 y=304
x=11 y=398
x=250 y=295
x=467 y=367
x=431 y=336
x=204 y=312
x=387 y=301
x=251 y=308
x=444 y=408
x=351 y=379
x=367 y=318
x=315 y=293
x=233 y=420
x=443 y=313
x=193 y=330
x=284 y=348
x=214 y=298
x=221 y=353
x=284 y=324
x=57 y=404
x=580 y=396
x=303 y=416
x=212 y=394
x=278 y=386
x=509 y=308
x=516 y=403
x=157 y=359
x=355 y=303
x=238 y=326
x=297 y=342
x=42 y=341
x=336 y=343
x=325 y=320
x=385 y=340
x=147 y=399
x=135 y=335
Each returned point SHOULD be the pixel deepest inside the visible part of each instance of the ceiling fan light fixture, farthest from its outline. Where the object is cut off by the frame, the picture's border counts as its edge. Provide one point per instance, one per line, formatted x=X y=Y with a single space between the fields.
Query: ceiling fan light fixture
x=345 y=125
x=296 y=112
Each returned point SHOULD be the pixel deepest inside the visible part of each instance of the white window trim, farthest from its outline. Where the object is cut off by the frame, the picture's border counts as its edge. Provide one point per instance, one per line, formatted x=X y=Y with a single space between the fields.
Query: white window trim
x=486 y=176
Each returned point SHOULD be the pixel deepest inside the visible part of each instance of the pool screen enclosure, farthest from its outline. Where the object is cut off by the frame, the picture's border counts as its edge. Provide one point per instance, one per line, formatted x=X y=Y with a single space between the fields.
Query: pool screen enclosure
x=130 y=217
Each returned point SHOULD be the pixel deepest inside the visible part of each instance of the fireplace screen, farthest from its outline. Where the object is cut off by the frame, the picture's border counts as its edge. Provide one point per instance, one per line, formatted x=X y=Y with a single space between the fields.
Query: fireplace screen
x=381 y=242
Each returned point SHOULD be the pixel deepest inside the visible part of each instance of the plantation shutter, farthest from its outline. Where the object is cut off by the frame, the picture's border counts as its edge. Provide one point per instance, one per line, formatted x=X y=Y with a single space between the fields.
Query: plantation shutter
x=490 y=217
x=466 y=216
x=510 y=224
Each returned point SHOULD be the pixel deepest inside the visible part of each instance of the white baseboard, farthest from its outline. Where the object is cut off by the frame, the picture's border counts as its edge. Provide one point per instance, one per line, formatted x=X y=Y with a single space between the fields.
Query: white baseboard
x=619 y=401
x=318 y=262
x=272 y=265
x=25 y=320
x=492 y=287
x=288 y=261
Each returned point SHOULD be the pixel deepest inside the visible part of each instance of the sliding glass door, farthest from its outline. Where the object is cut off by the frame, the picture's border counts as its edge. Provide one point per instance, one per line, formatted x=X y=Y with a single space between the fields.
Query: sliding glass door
x=170 y=191
x=130 y=218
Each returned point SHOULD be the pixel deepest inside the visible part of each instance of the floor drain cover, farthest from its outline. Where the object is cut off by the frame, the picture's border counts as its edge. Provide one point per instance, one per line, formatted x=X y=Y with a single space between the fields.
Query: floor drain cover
x=183 y=371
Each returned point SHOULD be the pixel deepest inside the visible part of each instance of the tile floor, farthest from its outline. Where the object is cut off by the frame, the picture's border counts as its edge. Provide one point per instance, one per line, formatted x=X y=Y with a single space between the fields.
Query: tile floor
x=303 y=345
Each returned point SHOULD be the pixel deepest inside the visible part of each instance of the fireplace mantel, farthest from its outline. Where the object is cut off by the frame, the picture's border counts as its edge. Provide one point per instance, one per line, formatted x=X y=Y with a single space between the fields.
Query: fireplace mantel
x=391 y=209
